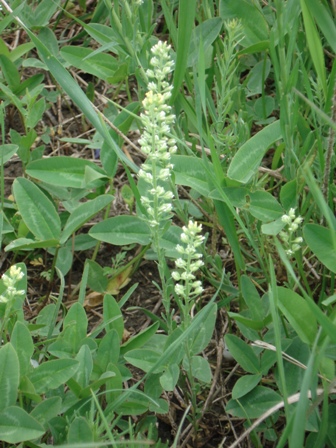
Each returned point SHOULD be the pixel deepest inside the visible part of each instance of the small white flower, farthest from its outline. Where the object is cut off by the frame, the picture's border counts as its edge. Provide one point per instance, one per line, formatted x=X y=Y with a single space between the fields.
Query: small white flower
x=190 y=263
x=292 y=222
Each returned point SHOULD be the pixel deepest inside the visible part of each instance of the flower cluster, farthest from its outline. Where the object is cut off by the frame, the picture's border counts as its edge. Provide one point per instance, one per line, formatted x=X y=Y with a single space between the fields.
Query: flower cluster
x=190 y=261
x=15 y=275
x=292 y=224
x=156 y=141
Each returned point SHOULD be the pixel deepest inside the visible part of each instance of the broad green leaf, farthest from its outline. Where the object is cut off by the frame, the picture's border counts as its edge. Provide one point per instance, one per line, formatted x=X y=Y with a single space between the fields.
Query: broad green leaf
x=7 y=151
x=23 y=344
x=273 y=228
x=169 y=241
x=189 y=171
x=40 y=14
x=16 y=426
x=80 y=432
x=95 y=385
x=114 y=386
x=145 y=359
x=236 y=195
x=108 y=350
x=254 y=404
x=169 y=378
x=83 y=374
x=75 y=326
x=9 y=376
x=9 y=71
x=255 y=26
x=248 y=158
x=322 y=242
x=200 y=369
x=242 y=353
x=28 y=244
x=298 y=313
x=294 y=375
x=47 y=409
x=52 y=374
x=62 y=171
x=64 y=259
x=244 y=385
x=264 y=206
x=83 y=213
x=122 y=230
x=97 y=280
x=101 y=65
x=254 y=324
x=140 y=339
x=35 y=113
x=252 y=298
x=288 y=194
x=204 y=332
x=37 y=211
x=112 y=315
x=206 y=32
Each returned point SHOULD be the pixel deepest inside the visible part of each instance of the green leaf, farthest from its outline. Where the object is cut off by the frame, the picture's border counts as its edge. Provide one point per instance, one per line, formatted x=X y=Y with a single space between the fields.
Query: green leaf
x=52 y=374
x=204 y=332
x=314 y=45
x=324 y=20
x=35 y=113
x=9 y=376
x=112 y=315
x=6 y=152
x=242 y=353
x=23 y=344
x=298 y=313
x=114 y=386
x=37 y=211
x=264 y=206
x=254 y=404
x=28 y=244
x=9 y=71
x=252 y=298
x=101 y=65
x=80 y=432
x=83 y=213
x=122 y=230
x=254 y=23
x=63 y=171
x=244 y=385
x=200 y=369
x=288 y=194
x=248 y=158
x=83 y=374
x=40 y=15
x=16 y=426
x=170 y=239
x=186 y=15
x=108 y=350
x=46 y=410
x=75 y=327
x=189 y=171
x=145 y=359
x=140 y=339
x=204 y=33
x=97 y=280
x=322 y=242
x=169 y=378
